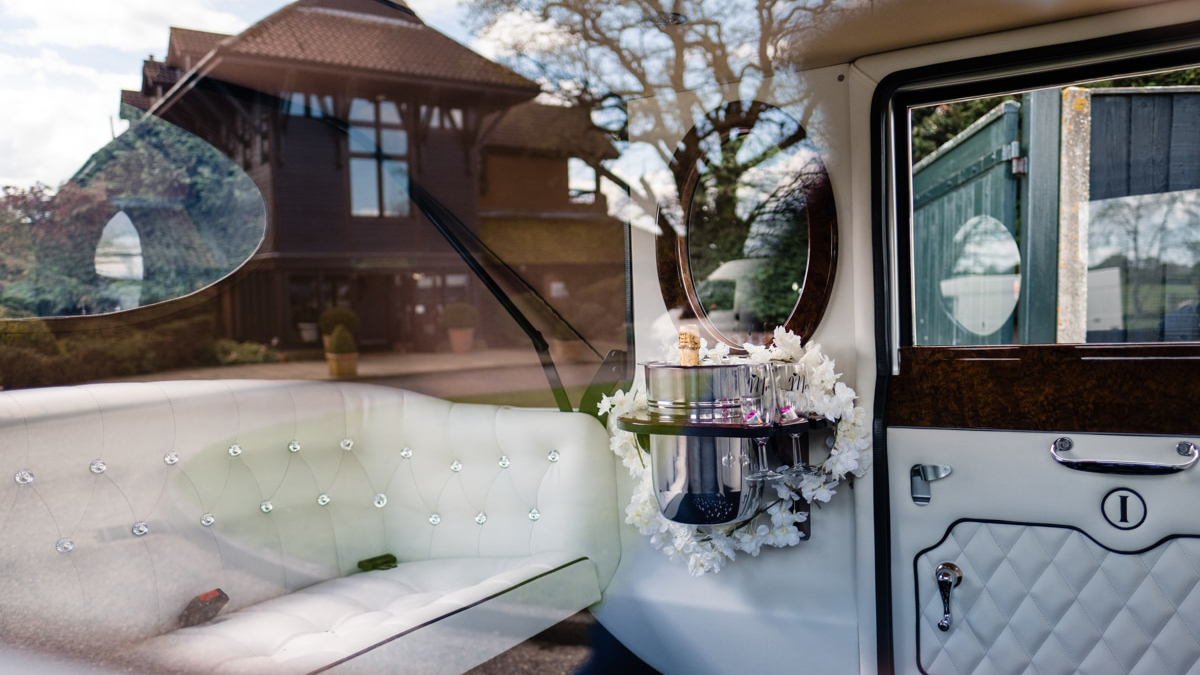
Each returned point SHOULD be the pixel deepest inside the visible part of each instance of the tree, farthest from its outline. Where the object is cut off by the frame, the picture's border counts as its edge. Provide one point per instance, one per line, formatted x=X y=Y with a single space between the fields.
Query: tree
x=19 y=209
x=935 y=125
x=1156 y=239
x=692 y=87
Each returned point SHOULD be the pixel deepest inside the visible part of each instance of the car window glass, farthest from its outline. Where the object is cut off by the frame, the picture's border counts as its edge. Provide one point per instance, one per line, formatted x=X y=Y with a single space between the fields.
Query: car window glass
x=1069 y=215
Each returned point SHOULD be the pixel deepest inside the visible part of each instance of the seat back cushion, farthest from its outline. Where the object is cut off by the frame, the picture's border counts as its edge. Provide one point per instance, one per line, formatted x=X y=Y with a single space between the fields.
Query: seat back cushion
x=127 y=500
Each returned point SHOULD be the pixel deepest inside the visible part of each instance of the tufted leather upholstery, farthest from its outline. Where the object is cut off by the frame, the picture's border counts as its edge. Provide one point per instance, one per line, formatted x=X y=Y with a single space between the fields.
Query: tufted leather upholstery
x=127 y=500
x=1044 y=599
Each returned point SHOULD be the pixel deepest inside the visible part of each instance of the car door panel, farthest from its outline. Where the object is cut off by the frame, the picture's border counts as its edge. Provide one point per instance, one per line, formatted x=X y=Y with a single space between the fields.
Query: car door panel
x=1052 y=581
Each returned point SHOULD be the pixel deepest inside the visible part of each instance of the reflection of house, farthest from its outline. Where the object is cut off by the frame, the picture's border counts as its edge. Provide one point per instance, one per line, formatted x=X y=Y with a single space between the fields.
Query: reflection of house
x=333 y=107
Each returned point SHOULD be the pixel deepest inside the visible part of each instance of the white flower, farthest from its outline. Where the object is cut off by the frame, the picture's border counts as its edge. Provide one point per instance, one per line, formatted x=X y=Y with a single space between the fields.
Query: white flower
x=787 y=345
x=841 y=463
x=822 y=376
x=606 y=404
x=843 y=399
x=757 y=353
x=822 y=493
x=812 y=356
x=784 y=492
x=707 y=550
x=719 y=353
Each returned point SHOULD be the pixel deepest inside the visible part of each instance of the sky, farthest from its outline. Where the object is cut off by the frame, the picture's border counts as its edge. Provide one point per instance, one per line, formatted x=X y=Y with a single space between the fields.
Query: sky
x=63 y=64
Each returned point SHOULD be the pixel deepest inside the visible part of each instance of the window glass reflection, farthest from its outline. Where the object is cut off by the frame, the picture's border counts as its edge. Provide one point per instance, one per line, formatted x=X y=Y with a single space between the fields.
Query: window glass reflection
x=747 y=231
x=364 y=187
x=119 y=267
x=1104 y=210
x=395 y=188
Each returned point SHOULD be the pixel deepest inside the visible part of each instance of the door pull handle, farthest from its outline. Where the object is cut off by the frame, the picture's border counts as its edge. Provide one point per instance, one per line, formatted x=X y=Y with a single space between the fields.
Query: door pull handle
x=919 y=478
x=1184 y=448
x=948 y=576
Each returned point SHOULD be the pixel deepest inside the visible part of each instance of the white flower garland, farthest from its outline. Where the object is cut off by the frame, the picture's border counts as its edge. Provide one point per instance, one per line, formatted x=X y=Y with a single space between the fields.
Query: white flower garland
x=707 y=548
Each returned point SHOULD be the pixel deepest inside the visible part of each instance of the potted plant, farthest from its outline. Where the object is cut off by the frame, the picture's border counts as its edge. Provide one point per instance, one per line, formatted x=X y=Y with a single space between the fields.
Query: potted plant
x=306 y=324
x=564 y=343
x=460 y=318
x=342 y=353
x=333 y=317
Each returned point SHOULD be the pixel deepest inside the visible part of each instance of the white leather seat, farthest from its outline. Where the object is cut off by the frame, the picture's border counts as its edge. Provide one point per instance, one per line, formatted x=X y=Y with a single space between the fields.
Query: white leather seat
x=407 y=615
x=140 y=496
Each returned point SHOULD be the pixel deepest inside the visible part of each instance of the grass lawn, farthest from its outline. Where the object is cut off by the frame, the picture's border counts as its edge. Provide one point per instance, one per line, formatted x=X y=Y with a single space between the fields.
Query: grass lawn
x=530 y=398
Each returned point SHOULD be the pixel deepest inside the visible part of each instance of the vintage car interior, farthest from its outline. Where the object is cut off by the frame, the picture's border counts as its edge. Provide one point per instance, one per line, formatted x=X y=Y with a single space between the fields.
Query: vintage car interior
x=385 y=336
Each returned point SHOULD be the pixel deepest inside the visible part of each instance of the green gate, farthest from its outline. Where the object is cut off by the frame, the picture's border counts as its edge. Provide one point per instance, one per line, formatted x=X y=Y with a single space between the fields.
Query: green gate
x=969 y=178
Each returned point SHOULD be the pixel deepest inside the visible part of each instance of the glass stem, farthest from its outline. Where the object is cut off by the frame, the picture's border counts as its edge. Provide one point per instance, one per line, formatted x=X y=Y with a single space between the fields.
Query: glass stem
x=762 y=454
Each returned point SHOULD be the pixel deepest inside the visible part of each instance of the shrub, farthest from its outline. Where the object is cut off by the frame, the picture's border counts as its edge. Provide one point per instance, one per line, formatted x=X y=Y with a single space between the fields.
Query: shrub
x=27 y=361
x=459 y=315
x=230 y=352
x=341 y=341
x=31 y=334
x=20 y=367
x=338 y=316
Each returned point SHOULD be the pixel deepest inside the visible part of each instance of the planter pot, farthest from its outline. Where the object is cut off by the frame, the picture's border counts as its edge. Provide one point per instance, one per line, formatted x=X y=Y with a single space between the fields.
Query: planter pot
x=461 y=339
x=565 y=350
x=342 y=365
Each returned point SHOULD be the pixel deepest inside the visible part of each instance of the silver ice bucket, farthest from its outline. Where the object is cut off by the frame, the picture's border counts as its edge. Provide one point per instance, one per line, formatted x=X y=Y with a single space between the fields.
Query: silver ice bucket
x=701 y=480
x=697 y=393
x=699 y=474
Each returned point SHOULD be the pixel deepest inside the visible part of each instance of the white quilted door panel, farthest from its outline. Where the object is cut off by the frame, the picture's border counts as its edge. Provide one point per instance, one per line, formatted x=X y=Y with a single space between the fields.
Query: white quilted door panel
x=1051 y=585
x=1045 y=599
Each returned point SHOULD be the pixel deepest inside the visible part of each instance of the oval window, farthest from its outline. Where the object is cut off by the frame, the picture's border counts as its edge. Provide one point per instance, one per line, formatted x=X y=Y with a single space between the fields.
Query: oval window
x=154 y=215
x=759 y=241
x=981 y=288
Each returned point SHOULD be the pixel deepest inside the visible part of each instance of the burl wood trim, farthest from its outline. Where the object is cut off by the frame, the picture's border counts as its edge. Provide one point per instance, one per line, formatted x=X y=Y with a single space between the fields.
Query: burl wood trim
x=1152 y=389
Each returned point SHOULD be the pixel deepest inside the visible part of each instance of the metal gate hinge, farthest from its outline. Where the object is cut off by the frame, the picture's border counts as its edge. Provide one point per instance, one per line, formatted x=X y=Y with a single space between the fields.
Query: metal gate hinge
x=919 y=478
x=1012 y=153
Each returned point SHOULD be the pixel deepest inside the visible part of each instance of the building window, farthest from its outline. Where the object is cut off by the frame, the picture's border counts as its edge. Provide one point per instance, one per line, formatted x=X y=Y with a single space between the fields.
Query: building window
x=300 y=104
x=378 y=160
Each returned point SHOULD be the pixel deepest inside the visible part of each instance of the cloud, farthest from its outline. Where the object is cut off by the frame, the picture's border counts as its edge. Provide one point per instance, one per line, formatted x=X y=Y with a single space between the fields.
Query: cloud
x=56 y=114
x=63 y=64
x=127 y=25
x=520 y=31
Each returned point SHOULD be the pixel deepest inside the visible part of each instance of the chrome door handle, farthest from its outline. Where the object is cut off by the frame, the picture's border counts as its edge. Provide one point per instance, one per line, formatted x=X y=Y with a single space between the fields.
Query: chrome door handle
x=1184 y=448
x=919 y=478
x=948 y=576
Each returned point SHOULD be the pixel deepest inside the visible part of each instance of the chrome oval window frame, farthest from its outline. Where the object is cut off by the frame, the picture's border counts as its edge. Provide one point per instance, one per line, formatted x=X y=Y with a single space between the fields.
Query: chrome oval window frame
x=820 y=216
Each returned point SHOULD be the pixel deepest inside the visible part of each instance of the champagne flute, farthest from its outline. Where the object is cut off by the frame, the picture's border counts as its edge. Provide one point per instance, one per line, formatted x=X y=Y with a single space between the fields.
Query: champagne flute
x=759 y=409
x=789 y=385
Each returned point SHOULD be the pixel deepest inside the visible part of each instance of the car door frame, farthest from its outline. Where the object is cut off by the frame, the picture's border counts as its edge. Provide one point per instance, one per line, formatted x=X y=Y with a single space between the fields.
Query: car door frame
x=898 y=395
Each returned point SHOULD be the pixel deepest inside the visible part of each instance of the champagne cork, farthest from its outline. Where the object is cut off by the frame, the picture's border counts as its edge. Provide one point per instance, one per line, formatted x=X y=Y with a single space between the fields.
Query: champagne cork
x=689 y=345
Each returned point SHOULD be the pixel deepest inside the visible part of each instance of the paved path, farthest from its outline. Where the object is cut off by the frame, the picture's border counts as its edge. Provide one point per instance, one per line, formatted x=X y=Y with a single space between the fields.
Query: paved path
x=446 y=375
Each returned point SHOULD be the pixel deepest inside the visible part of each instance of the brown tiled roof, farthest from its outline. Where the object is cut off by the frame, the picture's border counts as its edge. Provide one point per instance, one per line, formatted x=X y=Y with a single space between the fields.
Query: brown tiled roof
x=404 y=46
x=136 y=99
x=560 y=130
x=157 y=72
x=194 y=43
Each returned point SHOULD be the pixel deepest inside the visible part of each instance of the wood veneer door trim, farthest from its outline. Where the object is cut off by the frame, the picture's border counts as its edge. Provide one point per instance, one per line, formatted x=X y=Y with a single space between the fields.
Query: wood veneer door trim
x=1150 y=389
